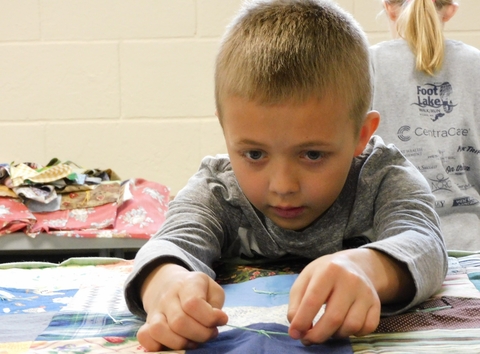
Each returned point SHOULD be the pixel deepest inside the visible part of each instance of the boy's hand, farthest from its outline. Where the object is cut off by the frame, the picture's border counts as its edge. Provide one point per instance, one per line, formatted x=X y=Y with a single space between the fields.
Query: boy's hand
x=351 y=283
x=183 y=309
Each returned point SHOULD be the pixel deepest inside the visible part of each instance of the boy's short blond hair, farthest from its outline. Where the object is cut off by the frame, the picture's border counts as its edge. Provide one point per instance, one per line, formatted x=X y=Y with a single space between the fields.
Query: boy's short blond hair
x=291 y=50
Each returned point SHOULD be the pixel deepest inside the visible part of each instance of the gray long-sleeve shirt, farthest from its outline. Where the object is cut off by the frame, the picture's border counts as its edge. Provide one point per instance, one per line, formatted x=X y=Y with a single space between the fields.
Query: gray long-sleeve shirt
x=385 y=198
x=435 y=122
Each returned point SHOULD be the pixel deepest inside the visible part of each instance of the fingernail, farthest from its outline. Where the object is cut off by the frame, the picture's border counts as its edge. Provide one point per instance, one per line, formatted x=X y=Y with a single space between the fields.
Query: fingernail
x=214 y=333
x=295 y=334
x=306 y=343
x=191 y=345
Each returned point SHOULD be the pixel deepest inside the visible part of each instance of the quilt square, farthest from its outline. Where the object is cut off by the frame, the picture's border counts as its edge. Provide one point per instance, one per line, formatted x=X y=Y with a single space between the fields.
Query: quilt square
x=15 y=301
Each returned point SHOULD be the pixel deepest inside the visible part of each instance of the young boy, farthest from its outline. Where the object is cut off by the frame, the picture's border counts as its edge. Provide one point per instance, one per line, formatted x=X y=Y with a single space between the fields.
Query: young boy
x=303 y=177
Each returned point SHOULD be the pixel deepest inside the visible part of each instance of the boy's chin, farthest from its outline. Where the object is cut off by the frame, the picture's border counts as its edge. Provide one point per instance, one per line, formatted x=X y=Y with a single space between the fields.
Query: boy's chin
x=292 y=225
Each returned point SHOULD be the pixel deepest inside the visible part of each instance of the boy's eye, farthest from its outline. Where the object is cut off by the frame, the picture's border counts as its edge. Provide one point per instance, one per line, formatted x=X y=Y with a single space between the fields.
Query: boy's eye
x=254 y=154
x=313 y=155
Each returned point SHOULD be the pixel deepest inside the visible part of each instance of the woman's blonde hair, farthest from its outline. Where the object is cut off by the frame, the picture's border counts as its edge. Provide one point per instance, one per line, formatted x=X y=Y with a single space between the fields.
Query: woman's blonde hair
x=420 y=25
x=291 y=50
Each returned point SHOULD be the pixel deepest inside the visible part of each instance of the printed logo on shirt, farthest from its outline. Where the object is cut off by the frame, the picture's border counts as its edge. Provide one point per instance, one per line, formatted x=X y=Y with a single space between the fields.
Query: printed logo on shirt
x=465 y=201
x=412 y=152
x=434 y=100
x=465 y=186
x=401 y=133
x=425 y=168
x=441 y=183
x=458 y=169
x=470 y=149
x=405 y=133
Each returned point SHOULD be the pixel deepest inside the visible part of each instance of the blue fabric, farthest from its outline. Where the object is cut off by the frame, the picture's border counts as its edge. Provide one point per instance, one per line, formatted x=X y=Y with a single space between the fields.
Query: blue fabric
x=32 y=301
x=243 y=294
x=31 y=325
x=475 y=279
x=242 y=341
x=66 y=326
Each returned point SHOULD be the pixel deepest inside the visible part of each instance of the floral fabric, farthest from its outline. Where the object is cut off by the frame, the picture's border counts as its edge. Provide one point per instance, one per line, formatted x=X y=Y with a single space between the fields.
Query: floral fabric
x=138 y=213
x=14 y=216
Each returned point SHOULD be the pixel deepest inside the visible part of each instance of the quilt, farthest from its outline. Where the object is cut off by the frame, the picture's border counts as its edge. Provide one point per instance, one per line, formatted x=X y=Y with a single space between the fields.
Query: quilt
x=78 y=307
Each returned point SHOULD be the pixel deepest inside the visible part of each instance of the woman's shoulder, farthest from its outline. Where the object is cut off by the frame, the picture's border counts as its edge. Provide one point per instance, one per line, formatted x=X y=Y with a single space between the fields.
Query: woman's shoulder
x=395 y=50
x=460 y=49
x=390 y=45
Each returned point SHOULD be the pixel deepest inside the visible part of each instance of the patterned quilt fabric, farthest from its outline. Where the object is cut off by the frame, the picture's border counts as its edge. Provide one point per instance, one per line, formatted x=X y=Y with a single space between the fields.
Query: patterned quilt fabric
x=78 y=307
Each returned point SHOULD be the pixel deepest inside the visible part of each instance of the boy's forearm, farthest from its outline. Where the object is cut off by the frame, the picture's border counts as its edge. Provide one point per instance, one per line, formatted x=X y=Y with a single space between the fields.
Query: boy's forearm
x=391 y=278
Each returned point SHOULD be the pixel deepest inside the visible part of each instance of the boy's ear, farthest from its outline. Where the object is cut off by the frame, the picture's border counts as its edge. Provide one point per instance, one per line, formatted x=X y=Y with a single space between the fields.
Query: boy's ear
x=218 y=117
x=370 y=125
x=449 y=11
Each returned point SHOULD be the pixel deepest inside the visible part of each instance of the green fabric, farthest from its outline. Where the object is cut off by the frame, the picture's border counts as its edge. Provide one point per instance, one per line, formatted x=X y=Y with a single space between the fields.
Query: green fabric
x=459 y=253
x=475 y=279
x=76 y=261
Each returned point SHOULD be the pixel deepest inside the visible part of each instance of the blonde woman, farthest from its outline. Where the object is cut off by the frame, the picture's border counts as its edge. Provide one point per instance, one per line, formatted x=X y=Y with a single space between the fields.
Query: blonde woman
x=427 y=90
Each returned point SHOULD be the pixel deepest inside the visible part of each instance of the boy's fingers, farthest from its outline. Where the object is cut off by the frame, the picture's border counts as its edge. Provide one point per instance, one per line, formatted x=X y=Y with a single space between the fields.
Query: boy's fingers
x=156 y=333
x=353 y=322
x=222 y=317
x=215 y=294
x=189 y=328
x=203 y=313
x=345 y=315
x=297 y=292
x=371 y=322
x=146 y=341
x=195 y=301
x=216 y=298
x=332 y=320
x=306 y=306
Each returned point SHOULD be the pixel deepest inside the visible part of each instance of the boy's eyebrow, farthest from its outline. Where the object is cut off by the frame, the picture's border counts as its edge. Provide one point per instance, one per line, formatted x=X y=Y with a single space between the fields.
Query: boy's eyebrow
x=249 y=142
x=305 y=145
x=314 y=144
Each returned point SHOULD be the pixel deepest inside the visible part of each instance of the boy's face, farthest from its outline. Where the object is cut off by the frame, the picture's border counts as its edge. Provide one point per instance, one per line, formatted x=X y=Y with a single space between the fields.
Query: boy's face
x=291 y=160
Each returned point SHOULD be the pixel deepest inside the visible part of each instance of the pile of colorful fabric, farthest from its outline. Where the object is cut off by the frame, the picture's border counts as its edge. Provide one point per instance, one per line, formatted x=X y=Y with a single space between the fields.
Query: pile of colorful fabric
x=65 y=199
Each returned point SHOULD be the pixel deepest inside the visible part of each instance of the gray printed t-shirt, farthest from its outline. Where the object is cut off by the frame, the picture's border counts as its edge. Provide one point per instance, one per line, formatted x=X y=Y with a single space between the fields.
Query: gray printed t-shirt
x=384 y=198
x=435 y=122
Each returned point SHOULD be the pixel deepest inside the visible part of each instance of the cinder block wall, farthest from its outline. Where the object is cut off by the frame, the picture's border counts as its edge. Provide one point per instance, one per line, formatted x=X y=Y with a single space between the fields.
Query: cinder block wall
x=128 y=84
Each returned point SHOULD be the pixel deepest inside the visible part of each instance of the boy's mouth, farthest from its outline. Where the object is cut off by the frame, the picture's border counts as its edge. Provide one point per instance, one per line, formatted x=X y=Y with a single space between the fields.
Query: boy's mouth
x=288 y=212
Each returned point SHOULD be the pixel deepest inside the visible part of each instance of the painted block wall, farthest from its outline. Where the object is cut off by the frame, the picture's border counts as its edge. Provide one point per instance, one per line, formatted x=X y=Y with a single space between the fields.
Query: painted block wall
x=128 y=84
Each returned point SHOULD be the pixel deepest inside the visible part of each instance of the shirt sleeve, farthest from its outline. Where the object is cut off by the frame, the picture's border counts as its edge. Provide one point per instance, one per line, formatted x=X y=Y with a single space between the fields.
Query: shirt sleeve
x=192 y=235
x=406 y=226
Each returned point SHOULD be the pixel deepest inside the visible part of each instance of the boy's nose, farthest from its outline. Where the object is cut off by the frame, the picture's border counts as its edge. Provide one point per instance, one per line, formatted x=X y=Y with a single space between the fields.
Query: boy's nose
x=283 y=181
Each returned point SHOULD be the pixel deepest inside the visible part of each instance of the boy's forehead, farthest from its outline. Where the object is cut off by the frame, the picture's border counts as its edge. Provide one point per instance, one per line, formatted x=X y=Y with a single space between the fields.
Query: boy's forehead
x=232 y=103
x=241 y=114
x=286 y=127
